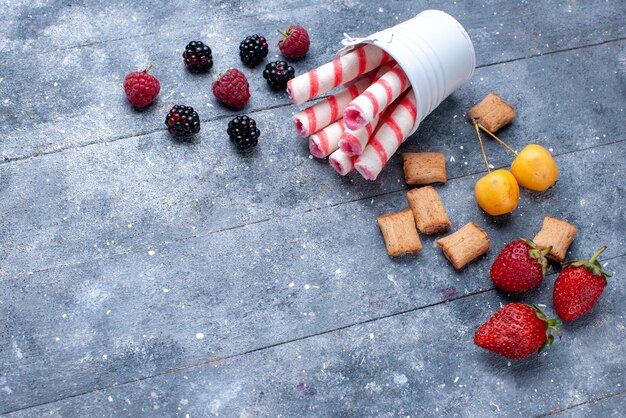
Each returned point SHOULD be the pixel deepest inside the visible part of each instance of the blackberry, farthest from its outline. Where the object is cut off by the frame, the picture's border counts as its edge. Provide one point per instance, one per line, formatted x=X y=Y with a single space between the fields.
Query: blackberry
x=277 y=74
x=182 y=121
x=253 y=50
x=243 y=132
x=198 y=57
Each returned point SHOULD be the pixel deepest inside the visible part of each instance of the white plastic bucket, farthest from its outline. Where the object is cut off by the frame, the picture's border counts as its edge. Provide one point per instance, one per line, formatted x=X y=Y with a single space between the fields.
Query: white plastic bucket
x=434 y=51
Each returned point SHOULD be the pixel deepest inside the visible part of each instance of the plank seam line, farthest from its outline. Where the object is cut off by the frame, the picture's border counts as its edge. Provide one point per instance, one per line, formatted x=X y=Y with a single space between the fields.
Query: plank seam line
x=262 y=109
x=270 y=346
x=154 y=33
x=7 y=160
x=251 y=351
x=264 y=220
x=587 y=402
x=404 y=188
x=574 y=48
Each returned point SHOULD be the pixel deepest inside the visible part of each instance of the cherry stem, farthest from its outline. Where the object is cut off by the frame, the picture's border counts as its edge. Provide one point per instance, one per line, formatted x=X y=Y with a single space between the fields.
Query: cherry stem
x=482 y=148
x=497 y=139
x=595 y=256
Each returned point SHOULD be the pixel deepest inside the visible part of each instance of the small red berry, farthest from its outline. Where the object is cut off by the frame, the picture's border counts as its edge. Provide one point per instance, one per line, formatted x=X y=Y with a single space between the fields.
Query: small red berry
x=141 y=87
x=578 y=287
x=232 y=89
x=295 y=43
x=516 y=331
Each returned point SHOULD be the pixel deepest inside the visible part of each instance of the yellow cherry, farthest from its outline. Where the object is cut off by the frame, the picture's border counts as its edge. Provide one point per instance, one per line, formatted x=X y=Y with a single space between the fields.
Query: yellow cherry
x=497 y=193
x=534 y=168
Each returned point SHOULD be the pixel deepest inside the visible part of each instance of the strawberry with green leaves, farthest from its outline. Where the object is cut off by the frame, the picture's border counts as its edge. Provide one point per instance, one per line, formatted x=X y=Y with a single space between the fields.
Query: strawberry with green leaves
x=516 y=331
x=520 y=266
x=578 y=287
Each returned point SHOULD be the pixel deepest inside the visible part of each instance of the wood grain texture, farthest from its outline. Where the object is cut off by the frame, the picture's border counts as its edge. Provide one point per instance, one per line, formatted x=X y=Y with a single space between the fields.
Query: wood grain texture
x=140 y=276
x=64 y=98
x=80 y=203
x=416 y=363
x=137 y=315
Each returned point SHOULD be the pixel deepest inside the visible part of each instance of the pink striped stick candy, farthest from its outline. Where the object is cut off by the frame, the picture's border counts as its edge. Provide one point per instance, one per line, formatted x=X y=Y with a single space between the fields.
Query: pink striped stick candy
x=375 y=99
x=327 y=111
x=354 y=142
x=335 y=73
x=341 y=162
x=387 y=139
x=326 y=141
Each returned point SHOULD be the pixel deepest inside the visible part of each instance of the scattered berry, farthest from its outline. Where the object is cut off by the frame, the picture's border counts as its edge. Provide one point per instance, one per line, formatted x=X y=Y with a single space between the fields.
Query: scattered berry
x=232 y=89
x=243 y=132
x=520 y=266
x=295 y=43
x=578 y=287
x=253 y=50
x=516 y=331
x=198 y=57
x=141 y=87
x=277 y=74
x=182 y=121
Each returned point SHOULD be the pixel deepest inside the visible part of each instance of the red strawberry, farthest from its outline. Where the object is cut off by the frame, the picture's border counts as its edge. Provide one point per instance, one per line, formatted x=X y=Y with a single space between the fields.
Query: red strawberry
x=232 y=89
x=578 y=287
x=520 y=266
x=295 y=43
x=516 y=331
x=141 y=88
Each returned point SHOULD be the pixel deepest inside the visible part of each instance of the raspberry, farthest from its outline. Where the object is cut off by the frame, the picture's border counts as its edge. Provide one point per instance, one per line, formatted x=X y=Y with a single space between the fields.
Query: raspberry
x=198 y=57
x=295 y=43
x=243 y=132
x=253 y=50
x=277 y=74
x=141 y=88
x=232 y=89
x=182 y=121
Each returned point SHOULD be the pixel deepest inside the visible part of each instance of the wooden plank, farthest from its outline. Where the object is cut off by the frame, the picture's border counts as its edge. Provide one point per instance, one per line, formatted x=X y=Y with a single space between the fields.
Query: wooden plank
x=66 y=25
x=78 y=100
x=546 y=26
x=126 y=259
x=75 y=206
x=88 y=326
x=422 y=363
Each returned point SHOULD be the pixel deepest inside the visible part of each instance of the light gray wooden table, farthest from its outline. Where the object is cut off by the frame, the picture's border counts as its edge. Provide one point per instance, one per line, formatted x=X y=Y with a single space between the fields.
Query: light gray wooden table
x=140 y=276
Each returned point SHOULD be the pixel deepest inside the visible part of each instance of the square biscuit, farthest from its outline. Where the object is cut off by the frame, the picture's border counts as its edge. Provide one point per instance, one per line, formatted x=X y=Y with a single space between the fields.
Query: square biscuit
x=430 y=214
x=557 y=234
x=400 y=233
x=422 y=168
x=492 y=112
x=464 y=245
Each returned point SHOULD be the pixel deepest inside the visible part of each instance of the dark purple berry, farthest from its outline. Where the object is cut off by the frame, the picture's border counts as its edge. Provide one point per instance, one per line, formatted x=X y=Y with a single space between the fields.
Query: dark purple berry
x=182 y=121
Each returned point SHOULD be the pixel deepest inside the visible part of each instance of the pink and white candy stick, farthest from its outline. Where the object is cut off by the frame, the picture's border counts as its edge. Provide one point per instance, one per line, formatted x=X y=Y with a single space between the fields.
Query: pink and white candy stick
x=341 y=162
x=375 y=99
x=353 y=142
x=327 y=111
x=387 y=139
x=335 y=73
x=326 y=141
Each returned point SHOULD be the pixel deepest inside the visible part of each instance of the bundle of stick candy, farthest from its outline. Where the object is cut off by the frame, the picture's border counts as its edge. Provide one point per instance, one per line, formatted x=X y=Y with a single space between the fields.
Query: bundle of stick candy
x=361 y=126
